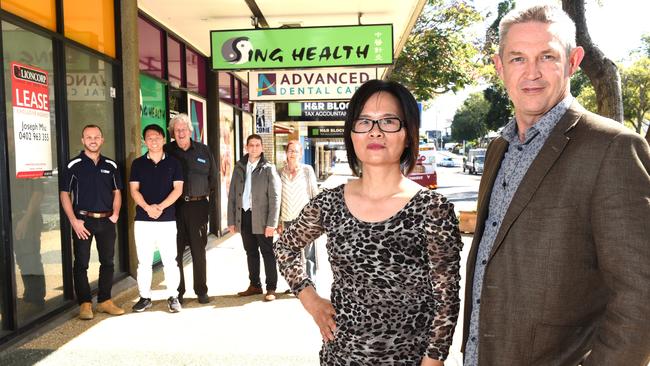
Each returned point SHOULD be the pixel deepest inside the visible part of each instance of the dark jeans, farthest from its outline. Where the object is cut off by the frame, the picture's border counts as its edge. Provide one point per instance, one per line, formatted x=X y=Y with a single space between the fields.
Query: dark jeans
x=192 y=231
x=254 y=244
x=103 y=230
x=309 y=255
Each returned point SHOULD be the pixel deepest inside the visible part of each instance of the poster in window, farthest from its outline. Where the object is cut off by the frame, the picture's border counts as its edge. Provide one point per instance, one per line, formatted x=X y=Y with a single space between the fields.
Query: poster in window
x=226 y=157
x=197 y=111
x=152 y=105
x=30 y=100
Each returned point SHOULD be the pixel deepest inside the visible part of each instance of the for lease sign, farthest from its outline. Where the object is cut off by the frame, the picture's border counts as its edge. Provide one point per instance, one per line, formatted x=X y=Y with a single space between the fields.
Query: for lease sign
x=31 y=111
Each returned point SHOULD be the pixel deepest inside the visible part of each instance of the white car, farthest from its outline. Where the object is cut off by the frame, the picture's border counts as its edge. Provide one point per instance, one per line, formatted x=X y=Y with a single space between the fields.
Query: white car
x=447 y=162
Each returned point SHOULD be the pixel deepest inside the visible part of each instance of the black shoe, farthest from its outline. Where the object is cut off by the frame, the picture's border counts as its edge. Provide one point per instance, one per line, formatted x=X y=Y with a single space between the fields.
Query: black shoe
x=204 y=299
x=173 y=305
x=142 y=305
x=180 y=299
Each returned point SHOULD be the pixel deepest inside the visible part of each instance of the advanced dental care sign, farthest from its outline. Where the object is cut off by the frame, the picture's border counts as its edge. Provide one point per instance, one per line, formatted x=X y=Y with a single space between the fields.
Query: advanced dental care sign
x=307 y=84
x=286 y=48
x=31 y=111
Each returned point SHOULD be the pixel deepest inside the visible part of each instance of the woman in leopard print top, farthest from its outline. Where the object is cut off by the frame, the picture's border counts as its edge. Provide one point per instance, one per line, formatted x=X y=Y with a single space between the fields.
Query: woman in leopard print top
x=393 y=245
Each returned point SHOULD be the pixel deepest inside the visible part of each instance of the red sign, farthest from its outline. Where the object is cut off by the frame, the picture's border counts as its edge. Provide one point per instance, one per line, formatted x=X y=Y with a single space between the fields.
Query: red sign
x=31 y=121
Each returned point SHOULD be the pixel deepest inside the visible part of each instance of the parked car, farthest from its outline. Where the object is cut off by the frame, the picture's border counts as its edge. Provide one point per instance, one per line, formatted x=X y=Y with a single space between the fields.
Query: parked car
x=478 y=164
x=447 y=162
x=470 y=163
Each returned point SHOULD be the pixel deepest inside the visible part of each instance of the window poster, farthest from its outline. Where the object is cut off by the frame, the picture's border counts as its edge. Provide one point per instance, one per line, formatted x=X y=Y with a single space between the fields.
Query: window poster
x=30 y=100
x=152 y=105
x=226 y=156
x=197 y=112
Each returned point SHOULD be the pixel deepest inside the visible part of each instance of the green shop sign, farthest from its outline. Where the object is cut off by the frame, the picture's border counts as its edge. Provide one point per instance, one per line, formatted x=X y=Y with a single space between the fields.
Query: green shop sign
x=153 y=105
x=302 y=47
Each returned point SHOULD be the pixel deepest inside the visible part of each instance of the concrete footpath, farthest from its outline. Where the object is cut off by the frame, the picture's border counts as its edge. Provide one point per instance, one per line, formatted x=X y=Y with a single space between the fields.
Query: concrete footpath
x=230 y=330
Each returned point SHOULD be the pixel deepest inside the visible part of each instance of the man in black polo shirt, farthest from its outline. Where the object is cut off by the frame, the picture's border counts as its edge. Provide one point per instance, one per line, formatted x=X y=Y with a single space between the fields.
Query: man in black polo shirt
x=156 y=182
x=201 y=177
x=90 y=196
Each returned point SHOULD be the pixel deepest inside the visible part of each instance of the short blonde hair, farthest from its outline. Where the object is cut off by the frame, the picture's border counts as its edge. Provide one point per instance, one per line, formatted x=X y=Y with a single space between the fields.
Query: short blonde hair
x=293 y=142
x=564 y=29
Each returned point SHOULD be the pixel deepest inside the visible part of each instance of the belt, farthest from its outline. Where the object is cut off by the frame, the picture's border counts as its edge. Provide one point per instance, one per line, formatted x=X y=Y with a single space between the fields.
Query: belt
x=194 y=198
x=95 y=215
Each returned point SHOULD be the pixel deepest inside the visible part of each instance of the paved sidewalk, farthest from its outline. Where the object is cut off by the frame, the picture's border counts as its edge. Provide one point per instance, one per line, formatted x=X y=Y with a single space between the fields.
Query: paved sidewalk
x=229 y=331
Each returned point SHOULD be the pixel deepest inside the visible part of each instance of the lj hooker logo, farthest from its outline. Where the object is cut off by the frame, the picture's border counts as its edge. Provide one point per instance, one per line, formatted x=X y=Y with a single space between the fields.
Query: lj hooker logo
x=266 y=84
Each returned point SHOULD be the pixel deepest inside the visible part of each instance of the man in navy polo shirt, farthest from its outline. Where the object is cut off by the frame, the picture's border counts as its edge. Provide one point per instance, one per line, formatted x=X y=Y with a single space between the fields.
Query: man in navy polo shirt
x=90 y=196
x=156 y=182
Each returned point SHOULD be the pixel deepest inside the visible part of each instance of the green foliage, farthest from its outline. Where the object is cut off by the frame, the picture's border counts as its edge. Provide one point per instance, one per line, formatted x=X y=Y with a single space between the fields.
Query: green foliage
x=491 y=45
x=645 y=45
x=587 y=98
x=579 y=80
x=437 y=57
x=635 y=82
x=500 y=108
x=469 y=120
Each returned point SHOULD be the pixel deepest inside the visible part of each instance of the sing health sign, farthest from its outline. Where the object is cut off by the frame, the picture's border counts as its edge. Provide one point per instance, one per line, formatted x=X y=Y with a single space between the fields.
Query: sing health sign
x=31 y=111
x=286 y=48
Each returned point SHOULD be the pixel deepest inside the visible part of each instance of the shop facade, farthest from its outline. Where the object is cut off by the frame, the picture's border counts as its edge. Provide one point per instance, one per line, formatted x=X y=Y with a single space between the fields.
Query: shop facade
x=117 y=67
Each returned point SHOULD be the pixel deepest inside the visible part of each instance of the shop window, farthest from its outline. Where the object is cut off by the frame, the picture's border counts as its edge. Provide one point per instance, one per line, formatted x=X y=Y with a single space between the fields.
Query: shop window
x=174 y=62
x=245 y=103
x=41 y=12
x=150 y=48
x=88 y=81
x=96 y=28
x=195 y=72
x=237 y=96
x=225 y=87
x=33 y=182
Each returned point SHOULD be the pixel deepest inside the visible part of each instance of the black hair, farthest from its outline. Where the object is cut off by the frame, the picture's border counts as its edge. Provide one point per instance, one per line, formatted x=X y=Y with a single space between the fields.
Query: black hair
x=254 y=136
x=153 y=127
x=411 y=121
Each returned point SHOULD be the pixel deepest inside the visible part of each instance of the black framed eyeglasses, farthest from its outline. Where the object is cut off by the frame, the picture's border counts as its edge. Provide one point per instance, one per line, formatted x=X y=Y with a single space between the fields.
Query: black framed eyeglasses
x=389 y=124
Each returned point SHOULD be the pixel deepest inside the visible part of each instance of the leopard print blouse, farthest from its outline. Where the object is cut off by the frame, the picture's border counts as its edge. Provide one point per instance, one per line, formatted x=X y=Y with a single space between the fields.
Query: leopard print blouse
x=396 y=282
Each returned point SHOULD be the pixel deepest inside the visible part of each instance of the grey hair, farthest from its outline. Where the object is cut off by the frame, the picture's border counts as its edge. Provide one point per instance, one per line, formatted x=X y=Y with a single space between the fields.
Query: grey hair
x=181 y=117
x=564 y=29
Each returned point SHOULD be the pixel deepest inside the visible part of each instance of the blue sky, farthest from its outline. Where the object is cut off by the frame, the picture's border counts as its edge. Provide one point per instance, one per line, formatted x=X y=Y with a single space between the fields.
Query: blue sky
x=615 y=26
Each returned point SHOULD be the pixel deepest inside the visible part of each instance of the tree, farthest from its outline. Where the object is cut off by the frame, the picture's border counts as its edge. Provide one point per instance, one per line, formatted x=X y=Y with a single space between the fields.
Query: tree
x=645 y=44
x=500 y=111
x=636 y=92
x=587 y=98
x=437 y=57
x=500 y=108
x=469 y=120
x=602 y=72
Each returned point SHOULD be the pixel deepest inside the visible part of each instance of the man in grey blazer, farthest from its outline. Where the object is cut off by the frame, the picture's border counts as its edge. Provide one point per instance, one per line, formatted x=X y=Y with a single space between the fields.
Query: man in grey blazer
x=253 y=210
x=559 y=270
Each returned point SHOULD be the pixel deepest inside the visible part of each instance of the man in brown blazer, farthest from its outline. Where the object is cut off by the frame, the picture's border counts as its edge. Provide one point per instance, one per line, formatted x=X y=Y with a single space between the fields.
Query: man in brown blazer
x=559 y=270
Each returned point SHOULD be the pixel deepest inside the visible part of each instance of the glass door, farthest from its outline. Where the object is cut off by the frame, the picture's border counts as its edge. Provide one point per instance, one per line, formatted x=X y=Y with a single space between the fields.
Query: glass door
x=33 y=177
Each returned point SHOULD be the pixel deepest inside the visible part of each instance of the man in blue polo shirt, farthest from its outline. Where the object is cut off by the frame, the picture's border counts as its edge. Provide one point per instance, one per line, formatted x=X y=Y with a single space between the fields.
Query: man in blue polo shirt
x=156 y=182
x=90 y=196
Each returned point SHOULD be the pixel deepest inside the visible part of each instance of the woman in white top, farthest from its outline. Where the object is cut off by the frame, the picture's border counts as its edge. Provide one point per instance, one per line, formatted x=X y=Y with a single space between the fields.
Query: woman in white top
x=298 y=187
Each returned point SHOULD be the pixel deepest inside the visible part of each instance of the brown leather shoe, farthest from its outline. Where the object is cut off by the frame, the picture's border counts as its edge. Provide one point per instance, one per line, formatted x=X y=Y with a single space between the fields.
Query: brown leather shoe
x=270 y=295
x=251 y=290
x=109 y=307
x=86 y=311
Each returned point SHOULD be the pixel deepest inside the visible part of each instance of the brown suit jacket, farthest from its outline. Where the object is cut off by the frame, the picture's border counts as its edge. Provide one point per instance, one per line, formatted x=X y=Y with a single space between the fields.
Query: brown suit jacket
x=568 y=278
